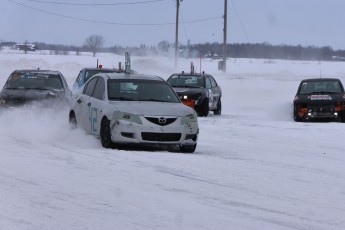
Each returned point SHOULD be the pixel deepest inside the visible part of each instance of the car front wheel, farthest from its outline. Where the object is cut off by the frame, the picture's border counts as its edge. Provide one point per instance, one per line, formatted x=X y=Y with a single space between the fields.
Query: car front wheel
x=187 y=148
x=105 y=134
x=204 y=109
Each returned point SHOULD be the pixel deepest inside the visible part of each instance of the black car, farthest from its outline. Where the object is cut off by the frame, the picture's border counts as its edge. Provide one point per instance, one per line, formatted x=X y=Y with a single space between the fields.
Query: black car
x=319 y=98
x=199 y=91
x=25 y=86
x=86 y=73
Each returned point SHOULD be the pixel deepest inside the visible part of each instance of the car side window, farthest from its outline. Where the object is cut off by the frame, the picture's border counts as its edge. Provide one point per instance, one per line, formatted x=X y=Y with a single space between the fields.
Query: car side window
x=99 y=89
x=213 y=82
x=208 y=83
x=79 y=78
x=88 y=89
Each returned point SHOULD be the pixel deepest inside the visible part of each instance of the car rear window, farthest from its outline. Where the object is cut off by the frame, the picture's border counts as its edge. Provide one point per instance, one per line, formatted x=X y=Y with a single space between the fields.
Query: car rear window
x=310 y=87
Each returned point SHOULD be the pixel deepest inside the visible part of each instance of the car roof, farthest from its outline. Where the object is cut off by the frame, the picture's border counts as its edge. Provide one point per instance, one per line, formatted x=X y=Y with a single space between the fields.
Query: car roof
x=37 y=71
x=191 y=74
x=100 y=69
x=320 y=79
x=129 y=76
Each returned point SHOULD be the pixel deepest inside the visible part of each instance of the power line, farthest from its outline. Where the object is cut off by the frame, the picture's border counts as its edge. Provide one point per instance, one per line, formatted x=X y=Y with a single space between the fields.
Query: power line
x=111 y=23
x=239 y=19
x=95 y=4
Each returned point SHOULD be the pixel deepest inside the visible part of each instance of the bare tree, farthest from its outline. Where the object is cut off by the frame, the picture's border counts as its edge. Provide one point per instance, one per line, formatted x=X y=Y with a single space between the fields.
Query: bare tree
x=94 y=42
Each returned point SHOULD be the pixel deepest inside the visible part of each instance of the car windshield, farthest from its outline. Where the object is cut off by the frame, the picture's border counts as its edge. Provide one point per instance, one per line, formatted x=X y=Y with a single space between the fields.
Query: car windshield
x=186 y=81
x=140 y=90
x=311 y=87
x=25 y=80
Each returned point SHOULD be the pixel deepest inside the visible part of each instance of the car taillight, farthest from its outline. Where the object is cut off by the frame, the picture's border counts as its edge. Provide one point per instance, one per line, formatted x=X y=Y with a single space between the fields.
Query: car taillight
x=302 y=109
x=339 y=106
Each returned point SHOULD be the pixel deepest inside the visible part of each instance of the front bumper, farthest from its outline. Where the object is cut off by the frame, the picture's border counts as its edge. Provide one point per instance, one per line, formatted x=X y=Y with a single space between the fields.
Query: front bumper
x=127 y=132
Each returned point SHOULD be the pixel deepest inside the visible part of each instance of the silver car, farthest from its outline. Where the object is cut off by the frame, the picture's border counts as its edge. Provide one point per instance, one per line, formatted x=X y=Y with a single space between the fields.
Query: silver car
x=134 y=109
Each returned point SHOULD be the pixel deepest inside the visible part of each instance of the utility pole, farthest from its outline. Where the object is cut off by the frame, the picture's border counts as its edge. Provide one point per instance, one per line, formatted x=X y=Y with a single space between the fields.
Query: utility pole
x=176 y=32
x=225 y=31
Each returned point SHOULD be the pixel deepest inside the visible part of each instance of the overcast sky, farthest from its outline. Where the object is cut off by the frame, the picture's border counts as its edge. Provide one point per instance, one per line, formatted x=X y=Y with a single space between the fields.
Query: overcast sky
x=135 y=22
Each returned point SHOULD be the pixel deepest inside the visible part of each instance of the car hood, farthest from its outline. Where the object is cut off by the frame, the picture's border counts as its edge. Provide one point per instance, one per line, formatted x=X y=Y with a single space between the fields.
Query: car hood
x=20 y=95
x=148 y=108
x=187 y=91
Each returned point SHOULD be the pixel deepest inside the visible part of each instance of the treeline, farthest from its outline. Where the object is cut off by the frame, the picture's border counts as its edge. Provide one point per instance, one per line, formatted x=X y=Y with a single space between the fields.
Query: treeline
x=65 y=49
x=268 y=51
x=212 y=50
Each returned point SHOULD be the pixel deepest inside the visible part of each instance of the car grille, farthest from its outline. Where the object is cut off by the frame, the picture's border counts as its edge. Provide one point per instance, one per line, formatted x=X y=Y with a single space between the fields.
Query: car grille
x=147 y=136
x=162 y=121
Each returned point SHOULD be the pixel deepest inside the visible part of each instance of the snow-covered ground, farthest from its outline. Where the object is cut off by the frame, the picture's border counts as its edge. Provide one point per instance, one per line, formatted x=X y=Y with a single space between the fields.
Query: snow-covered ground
x=254 y=167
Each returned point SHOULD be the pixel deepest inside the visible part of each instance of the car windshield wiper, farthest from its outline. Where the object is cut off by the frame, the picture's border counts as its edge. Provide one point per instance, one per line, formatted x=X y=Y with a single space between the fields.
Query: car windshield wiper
x=186 y=86
x=328 y=92
x=322 y=92
x=13 y=88
x=121 y=99
x=36 y=88
x=151 y=99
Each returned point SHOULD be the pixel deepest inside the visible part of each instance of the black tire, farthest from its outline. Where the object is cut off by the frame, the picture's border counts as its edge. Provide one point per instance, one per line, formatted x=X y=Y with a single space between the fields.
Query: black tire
x=72 y=120
x=187 y=148
x=295 y=114
x=204 y=108
x=342 y=116
x=105 y=134
x=218 y=110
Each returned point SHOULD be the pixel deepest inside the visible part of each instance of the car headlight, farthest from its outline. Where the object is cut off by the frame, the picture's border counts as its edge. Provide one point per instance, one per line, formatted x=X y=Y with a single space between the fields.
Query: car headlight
x=127 y=117
x=188 y=119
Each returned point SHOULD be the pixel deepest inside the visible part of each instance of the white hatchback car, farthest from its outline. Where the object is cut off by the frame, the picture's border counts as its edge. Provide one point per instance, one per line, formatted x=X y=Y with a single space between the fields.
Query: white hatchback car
x=134 y=109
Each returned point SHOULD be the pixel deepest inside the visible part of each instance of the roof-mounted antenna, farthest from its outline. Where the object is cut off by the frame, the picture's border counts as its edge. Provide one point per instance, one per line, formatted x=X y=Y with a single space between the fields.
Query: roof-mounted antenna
x=120 y=67
x=127 y=62
x=191 y=68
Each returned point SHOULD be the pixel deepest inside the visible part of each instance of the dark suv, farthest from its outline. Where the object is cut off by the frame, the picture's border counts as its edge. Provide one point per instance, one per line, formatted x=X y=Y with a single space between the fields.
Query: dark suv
x=319 y=98
x=199 y=91
x=86 y=73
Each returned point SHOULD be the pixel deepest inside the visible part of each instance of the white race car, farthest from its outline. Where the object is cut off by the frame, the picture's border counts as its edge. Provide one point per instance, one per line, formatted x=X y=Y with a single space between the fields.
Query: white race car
x=134 y=109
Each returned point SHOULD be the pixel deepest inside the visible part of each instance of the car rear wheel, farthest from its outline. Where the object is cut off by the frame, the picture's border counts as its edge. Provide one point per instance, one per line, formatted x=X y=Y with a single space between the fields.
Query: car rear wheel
x=187 y=148
x=342 y=116
x=218 y=110
x=295 y=114
x=105 y=134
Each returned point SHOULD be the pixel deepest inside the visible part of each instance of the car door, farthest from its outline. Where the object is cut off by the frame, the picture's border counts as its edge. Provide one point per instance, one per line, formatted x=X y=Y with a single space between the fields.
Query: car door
x=96 y=103
x=210 y=92
x=214 y=91
x=84 y=103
